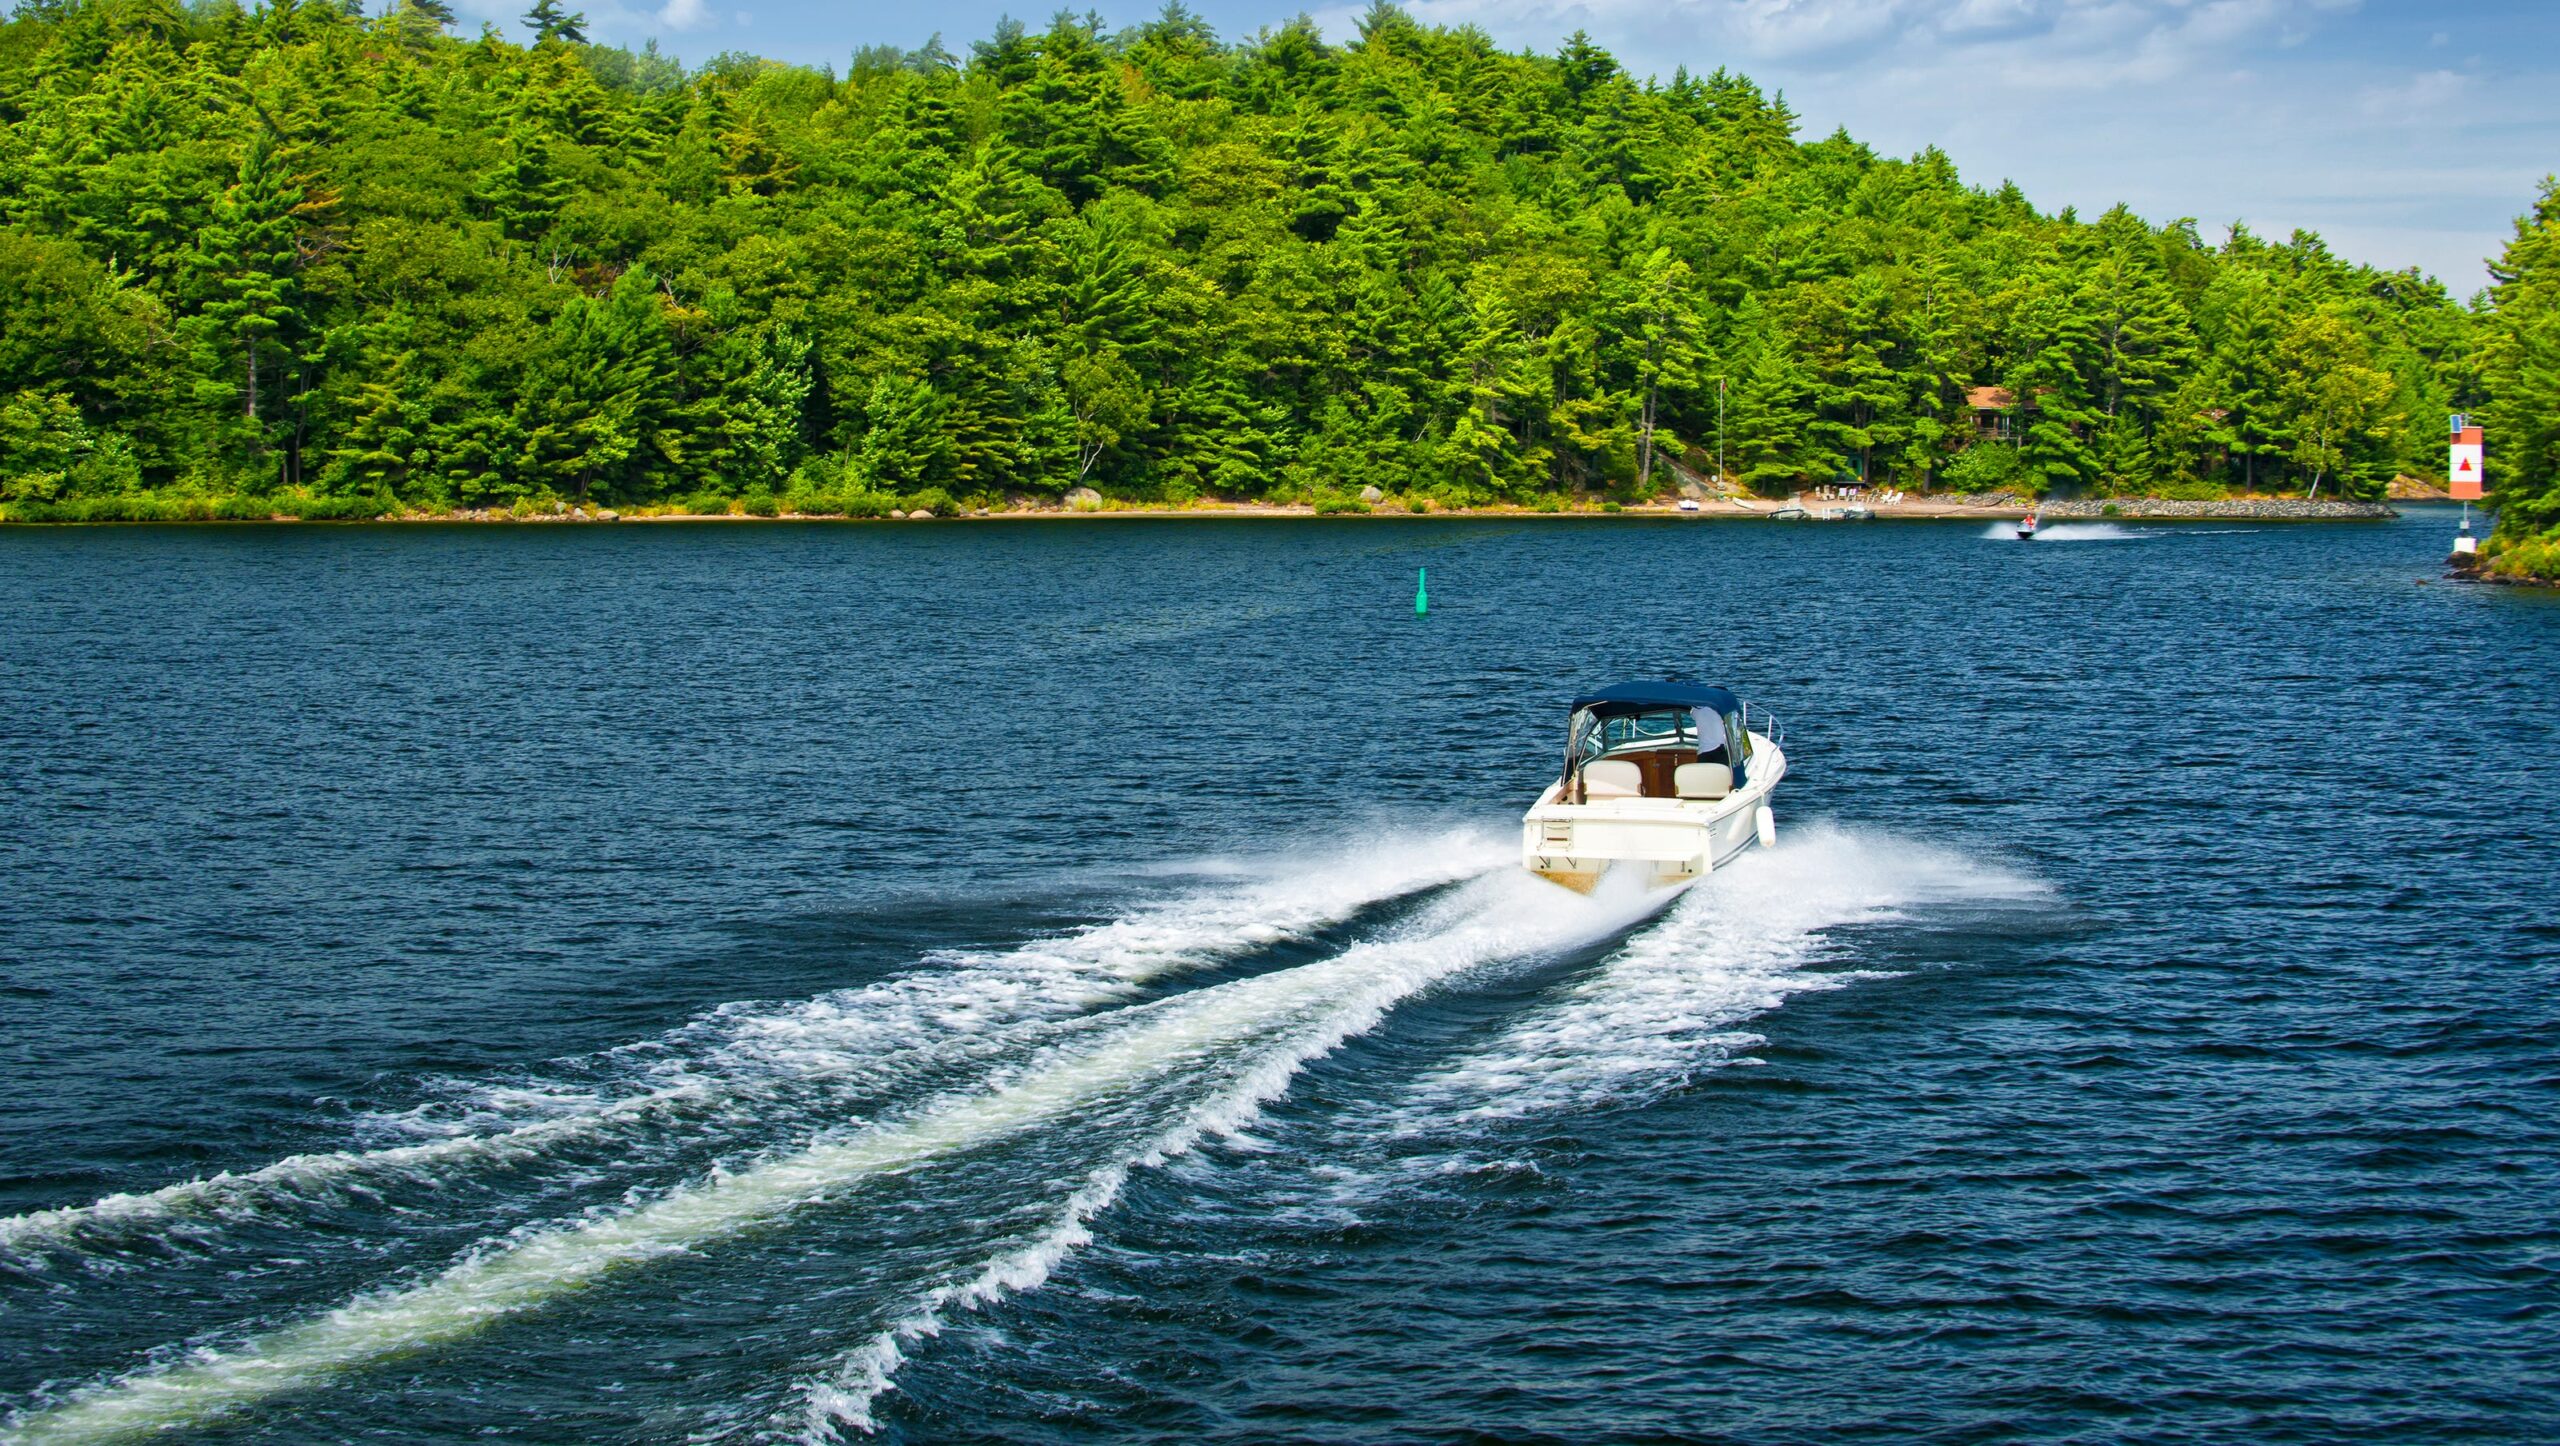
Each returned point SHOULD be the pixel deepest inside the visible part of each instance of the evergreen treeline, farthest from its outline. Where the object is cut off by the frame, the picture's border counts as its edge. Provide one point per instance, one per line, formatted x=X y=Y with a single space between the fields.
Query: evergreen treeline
x=2522 y=416
x=307 y=260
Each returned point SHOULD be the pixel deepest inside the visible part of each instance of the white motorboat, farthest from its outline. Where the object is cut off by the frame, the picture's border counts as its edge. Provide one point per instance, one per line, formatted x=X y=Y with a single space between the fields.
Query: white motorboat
x=1671 y=780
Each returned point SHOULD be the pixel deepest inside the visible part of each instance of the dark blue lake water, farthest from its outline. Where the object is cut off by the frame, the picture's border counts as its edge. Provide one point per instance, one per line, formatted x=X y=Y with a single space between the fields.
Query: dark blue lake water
x=1051 y=982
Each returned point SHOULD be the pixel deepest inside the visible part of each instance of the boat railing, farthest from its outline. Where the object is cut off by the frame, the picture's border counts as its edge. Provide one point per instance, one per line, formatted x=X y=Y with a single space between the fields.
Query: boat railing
x=1756 y=718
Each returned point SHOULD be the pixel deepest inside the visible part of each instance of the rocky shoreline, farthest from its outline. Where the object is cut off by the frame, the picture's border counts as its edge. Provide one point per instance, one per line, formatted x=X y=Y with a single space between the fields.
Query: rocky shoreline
x=2270 y=509
x=1945 y=508
x=1994 y=508
x=2471 y=567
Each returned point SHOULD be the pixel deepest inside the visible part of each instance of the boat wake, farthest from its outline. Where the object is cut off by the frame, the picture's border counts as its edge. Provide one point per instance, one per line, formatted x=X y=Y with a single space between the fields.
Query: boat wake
x=1660 y=1007
x=733 y=1065
x=1735 y=946
x=1140 y=1083
x=1062 y=1075
x=1287 y=1020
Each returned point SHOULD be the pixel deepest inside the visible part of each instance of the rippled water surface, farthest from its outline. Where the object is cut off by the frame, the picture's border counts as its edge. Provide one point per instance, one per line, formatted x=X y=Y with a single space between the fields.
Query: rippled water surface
x=1057 y=982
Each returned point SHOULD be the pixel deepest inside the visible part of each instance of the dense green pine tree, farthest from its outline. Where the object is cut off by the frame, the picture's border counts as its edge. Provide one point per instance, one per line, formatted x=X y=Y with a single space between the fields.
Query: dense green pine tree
x=422 y=20
x=1658 y=319
x=599 y=410
x=2241 y=312
x=298 y=259
x=549 y=22
x=245 y=281
x=2337 y=405
x=2522 y=376
x=905 y=444
x=1772 y=439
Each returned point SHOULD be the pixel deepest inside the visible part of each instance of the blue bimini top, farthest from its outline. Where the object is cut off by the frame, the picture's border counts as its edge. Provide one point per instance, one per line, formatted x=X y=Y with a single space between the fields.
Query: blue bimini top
x=1622 y=698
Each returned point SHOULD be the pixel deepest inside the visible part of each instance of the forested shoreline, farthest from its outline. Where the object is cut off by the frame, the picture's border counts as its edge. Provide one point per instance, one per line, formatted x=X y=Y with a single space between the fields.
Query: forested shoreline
x=310 y=261
x=2520 y=345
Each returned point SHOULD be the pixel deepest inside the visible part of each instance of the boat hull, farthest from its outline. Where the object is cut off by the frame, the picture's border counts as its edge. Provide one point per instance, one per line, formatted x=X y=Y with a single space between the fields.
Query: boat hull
x=1670 y=843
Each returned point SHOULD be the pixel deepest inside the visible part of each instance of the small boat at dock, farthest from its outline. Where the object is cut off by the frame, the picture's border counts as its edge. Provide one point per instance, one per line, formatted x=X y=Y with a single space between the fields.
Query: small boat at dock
x=1669 y=780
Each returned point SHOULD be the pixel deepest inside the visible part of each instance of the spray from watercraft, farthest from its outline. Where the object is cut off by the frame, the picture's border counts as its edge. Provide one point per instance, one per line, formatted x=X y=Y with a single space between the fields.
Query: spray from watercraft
x=1086 y=1102
x=743 y=1052
x=1229 y=1047
x=1662 y=1005
x=1736 y=946
x=2072 y=532
x=1289 y=1019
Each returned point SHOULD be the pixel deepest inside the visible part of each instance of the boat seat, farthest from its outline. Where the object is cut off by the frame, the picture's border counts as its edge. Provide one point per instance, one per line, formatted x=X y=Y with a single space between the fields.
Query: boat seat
x=1702 y=780
x=1612 y=778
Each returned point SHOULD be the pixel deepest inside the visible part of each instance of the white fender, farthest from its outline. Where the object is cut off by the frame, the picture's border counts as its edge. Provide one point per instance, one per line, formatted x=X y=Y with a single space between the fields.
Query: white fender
x=1768 y=823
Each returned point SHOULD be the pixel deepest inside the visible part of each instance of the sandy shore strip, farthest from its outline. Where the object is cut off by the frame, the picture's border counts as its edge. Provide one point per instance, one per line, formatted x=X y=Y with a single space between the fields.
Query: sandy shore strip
x=1728 y=507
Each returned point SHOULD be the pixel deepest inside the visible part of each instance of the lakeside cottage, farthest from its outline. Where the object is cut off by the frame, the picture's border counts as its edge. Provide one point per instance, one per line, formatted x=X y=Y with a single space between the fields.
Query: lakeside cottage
x=1991 y=408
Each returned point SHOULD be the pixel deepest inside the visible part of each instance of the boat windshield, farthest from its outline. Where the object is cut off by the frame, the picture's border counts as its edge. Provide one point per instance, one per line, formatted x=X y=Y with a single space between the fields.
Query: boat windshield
x=1698 y=728
x=1639 y=730
x=1714 y=737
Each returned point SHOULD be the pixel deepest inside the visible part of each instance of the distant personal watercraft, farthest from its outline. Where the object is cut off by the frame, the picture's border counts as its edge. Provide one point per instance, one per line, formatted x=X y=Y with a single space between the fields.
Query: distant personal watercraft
x=2027 y=528
x=1667 y=778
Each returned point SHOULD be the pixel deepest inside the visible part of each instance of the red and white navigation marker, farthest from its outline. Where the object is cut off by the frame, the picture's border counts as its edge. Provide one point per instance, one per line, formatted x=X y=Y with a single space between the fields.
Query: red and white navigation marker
x=2463 y=466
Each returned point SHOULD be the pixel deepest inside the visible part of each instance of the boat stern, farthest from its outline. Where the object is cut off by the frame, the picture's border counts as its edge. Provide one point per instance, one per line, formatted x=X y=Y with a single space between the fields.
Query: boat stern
x=1577 y=844
x=1671 y=841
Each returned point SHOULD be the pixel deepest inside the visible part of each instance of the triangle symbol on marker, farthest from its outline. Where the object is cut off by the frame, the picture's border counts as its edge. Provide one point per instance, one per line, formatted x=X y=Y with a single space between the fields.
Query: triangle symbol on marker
x=2466 y=465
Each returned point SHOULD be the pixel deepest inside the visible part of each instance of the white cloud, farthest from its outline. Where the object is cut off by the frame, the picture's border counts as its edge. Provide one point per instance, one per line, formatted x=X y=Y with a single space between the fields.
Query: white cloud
x=2418 y=95
x=1986 y=17
x=1806 y=27
x=2268 y=111
x=685 y=14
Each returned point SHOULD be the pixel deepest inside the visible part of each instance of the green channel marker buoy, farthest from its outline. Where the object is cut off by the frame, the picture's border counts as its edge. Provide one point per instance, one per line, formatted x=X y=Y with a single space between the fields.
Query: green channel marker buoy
x=1421 y=591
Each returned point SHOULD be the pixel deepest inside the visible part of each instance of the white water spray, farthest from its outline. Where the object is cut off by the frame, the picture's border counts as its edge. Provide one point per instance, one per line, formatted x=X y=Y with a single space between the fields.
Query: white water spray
x=1289 y=1017
x=2072 y=532
x=738 y=1050
x=1736 y=946
x=1293 y=1018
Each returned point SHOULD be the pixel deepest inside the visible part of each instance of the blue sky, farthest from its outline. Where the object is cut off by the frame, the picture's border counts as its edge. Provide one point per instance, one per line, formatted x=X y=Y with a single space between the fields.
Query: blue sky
x=2404 y=133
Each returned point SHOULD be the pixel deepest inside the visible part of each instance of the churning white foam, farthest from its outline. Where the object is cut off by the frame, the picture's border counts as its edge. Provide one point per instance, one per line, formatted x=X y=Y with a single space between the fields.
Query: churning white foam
x=739 y=1049
x=1242 y=1041
x=1291 y=1018
x=1736 y=945
x=1663 y=1005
